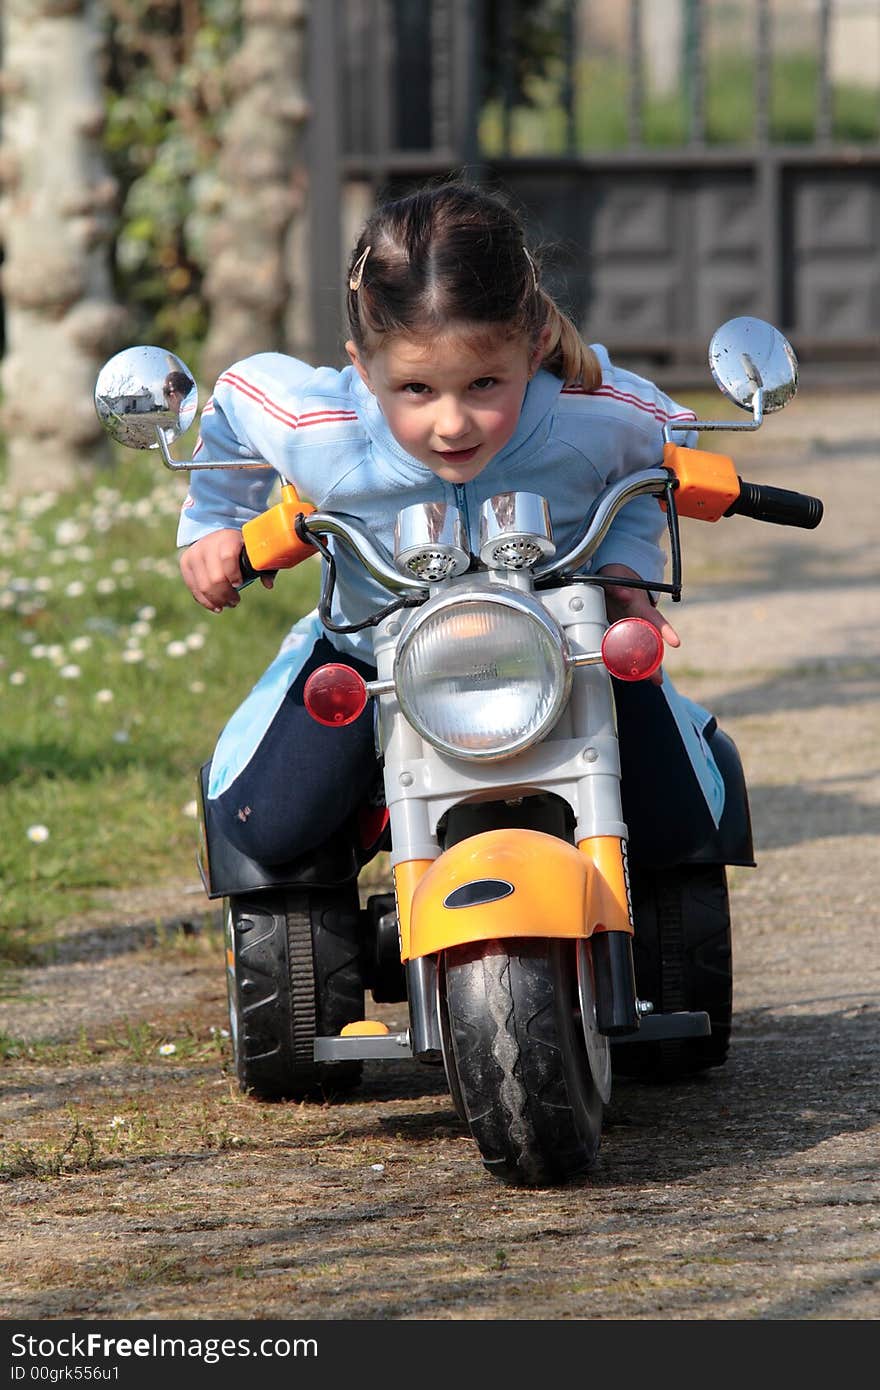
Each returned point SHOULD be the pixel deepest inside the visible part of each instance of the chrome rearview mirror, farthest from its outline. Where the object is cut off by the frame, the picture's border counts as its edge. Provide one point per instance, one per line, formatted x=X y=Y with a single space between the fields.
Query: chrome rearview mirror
x=754 y=366
x=747 y=355
x=146 y=397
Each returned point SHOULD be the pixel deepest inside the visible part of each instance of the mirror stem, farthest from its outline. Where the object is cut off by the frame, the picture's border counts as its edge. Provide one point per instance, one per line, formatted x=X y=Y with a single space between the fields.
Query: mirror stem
x=165 y=437
x=757 y=419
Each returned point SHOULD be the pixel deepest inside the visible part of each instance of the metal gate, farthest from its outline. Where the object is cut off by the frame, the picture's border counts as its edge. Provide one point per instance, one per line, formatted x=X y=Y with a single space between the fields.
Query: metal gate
x=654 y=242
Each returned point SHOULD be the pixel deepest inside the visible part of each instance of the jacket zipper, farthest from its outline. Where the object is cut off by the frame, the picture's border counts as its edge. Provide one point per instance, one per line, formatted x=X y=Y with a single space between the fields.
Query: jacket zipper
x=461 y=503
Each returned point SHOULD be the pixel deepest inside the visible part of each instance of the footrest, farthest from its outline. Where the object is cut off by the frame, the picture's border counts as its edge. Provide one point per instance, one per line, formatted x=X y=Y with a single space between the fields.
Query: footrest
x=363 y=1047
x=660 y=1027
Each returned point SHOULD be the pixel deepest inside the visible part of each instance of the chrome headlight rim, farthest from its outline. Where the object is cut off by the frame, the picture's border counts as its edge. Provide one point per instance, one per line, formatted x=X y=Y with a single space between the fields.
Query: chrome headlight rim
x=520 y=603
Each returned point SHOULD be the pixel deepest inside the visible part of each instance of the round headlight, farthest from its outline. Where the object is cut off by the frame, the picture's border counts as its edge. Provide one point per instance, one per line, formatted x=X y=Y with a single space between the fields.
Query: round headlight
x=482 y=675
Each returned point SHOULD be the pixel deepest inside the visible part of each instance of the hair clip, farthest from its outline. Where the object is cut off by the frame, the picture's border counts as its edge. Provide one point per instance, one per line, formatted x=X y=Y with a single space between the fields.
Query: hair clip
x=532 y=267
x=357 y=273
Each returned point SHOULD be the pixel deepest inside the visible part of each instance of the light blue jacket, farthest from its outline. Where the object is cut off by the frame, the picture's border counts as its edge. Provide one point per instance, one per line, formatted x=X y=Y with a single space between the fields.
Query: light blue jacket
x=323 y=431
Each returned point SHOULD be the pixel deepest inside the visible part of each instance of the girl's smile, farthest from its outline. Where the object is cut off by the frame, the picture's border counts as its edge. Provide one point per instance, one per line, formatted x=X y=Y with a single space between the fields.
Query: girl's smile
x=454 y=401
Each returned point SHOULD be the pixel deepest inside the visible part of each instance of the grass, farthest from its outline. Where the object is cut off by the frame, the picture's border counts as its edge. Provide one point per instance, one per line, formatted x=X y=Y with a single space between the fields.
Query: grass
x=602 y=97
x=114 y=685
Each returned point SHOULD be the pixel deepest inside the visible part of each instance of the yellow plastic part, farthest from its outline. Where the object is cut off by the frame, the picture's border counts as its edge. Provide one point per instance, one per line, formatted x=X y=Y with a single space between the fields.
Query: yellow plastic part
x=707 y=483
x=365 y=1028
x=550 y=883
x=406 y=879
x=270 y=539
x=609 y=902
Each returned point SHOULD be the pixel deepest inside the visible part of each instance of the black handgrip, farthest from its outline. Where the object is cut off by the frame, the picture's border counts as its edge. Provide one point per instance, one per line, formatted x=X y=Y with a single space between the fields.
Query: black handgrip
x=248 y=573
x=777 y=504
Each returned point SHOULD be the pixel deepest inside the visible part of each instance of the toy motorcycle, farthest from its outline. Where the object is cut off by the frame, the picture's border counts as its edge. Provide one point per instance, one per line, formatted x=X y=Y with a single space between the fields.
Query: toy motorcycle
x=535 y=959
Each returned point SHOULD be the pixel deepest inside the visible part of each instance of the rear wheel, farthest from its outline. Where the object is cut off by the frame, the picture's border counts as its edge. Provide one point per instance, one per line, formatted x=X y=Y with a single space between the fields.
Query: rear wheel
x=682 y=956
x=527 y=1089
x=293 y=974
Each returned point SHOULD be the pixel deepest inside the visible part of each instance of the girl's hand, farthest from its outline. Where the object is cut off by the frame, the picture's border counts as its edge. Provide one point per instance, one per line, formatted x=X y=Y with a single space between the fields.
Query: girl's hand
x=635 y=603
x=211 y=570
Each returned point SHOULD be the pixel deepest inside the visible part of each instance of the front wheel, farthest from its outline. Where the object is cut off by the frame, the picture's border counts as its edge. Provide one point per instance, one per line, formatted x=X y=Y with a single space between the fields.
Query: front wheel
x=293 y=974
x=527 y=1089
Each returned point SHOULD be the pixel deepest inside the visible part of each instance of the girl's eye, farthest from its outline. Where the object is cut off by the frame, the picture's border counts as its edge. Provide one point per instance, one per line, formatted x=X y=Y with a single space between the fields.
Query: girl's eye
x=417 y=388
x=483 y=383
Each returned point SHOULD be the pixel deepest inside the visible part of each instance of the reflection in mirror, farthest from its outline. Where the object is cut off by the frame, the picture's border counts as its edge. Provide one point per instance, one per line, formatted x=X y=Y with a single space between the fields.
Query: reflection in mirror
x=746 y=354
x=144 y=389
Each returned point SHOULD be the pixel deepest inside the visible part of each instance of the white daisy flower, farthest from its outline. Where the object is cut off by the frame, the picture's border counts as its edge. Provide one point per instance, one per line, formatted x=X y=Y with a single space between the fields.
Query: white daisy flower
x=68 y=532
x=38 y=834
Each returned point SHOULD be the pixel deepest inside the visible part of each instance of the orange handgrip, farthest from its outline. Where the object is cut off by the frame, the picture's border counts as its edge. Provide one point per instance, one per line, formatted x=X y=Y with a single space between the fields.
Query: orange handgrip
x=271 y=541
x=707 y=483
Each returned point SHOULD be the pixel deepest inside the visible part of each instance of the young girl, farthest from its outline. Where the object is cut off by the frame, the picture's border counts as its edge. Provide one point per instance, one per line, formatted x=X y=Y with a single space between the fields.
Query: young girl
x=466 y=380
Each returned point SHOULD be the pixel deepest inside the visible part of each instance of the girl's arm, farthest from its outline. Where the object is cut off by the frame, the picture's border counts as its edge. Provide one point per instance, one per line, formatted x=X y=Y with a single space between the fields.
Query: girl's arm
x=218 y=504
x=635 y=537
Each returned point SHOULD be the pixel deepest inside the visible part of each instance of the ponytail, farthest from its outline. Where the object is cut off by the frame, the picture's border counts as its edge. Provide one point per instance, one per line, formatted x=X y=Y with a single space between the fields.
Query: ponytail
x=566 y=354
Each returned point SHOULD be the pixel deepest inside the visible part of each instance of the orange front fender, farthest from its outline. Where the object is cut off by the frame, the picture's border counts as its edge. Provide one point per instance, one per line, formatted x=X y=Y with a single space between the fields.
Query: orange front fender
x=509 y=883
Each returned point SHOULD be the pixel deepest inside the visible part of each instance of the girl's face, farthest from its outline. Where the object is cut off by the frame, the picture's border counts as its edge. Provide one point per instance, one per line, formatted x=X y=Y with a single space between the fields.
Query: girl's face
x=452 y=402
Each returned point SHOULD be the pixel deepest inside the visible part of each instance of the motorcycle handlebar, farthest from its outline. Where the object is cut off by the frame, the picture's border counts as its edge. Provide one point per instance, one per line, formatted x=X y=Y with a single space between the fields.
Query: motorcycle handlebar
x=248 y=573
x=777 y=504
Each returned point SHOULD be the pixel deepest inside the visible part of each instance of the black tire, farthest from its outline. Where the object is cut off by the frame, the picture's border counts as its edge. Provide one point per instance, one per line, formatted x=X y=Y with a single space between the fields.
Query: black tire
x=449 y=1065
x=683 y=960
x=293 y=973
x=520 y=1057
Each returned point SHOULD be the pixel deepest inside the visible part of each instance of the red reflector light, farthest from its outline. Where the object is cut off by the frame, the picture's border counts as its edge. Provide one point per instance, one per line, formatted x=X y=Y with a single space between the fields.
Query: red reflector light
x=632 y=649
x=335 y=695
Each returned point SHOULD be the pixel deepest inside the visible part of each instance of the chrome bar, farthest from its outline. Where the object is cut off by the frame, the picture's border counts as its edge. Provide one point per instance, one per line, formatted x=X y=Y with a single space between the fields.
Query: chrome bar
x=756 y=421
x=421 y=989
x=365 y=1046
x=380 y=687
x=648 y=482
x=373 y=556
x=165 y=438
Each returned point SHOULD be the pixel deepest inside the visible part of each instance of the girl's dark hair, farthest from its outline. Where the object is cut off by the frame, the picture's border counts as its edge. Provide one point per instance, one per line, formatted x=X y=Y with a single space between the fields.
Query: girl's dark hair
x=454 y=253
